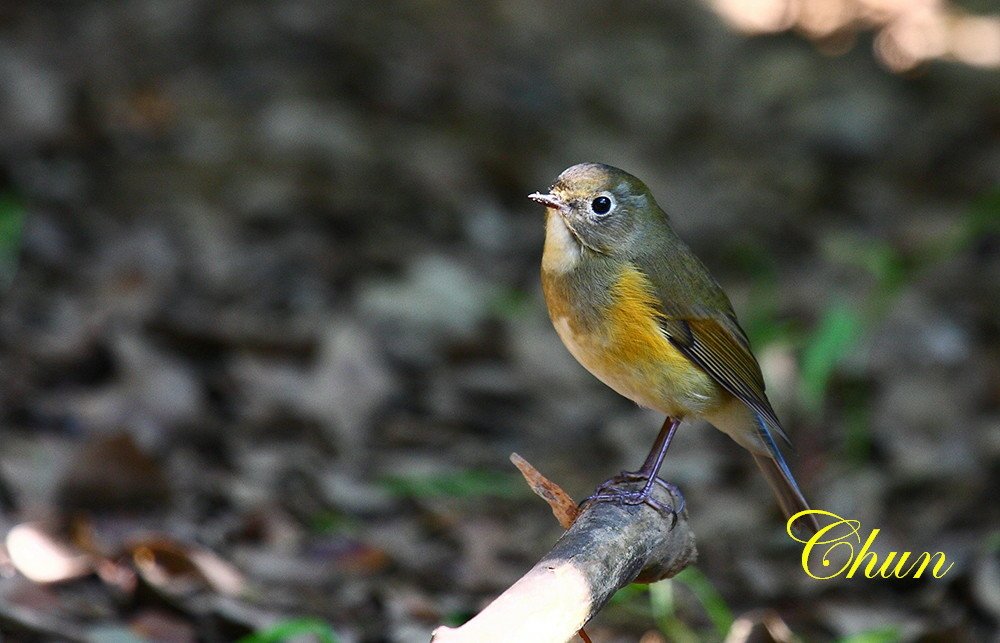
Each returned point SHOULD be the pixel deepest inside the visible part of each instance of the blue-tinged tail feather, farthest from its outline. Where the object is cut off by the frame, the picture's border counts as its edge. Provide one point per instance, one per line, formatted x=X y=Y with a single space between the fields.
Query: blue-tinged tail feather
x=780 y=479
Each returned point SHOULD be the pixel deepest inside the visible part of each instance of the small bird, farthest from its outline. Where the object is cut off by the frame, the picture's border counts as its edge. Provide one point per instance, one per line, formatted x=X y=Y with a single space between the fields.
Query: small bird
x=637 y=309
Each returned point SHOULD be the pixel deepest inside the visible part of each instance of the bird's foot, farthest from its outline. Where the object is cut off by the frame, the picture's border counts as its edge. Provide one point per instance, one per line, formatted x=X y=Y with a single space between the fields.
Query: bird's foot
x=607 y=491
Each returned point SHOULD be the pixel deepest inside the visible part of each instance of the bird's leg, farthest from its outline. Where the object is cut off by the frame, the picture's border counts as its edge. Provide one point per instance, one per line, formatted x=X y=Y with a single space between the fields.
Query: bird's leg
x=648 y=472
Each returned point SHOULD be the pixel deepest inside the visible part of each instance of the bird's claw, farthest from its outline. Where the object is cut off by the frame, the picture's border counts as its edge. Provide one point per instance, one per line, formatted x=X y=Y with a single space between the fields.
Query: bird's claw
x=605 y=493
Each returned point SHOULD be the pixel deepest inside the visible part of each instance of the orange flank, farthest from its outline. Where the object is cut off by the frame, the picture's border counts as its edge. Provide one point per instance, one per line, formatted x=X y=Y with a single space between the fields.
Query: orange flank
x=635 y=336
x=638 y=359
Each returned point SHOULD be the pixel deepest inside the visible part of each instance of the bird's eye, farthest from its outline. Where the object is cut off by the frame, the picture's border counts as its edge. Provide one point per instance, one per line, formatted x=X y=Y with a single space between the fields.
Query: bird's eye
x=601 y=205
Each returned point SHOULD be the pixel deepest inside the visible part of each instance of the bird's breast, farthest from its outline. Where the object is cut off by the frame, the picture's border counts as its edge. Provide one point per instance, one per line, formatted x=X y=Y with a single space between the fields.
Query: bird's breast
x=612 y=329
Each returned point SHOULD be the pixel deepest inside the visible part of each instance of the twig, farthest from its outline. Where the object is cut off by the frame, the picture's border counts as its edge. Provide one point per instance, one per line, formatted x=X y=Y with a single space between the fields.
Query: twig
x=608 y=546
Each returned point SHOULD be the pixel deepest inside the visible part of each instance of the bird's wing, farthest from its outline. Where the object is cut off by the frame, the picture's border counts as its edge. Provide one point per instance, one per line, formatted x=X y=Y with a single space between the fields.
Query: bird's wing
x=721 y=348
x=697 y=318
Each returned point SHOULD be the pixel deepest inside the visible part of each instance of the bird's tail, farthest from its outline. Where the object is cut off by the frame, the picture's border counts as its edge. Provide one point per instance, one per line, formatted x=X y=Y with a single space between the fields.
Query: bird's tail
x=756 y=436
x=786 y=491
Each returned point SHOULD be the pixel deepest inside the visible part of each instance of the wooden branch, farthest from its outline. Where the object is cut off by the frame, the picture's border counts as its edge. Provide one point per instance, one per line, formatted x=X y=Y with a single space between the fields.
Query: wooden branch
x=608 y=546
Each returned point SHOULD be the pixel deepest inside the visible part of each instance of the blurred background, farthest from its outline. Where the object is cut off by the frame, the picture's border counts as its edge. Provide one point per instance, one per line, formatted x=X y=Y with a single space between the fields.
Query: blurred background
x=271 y=322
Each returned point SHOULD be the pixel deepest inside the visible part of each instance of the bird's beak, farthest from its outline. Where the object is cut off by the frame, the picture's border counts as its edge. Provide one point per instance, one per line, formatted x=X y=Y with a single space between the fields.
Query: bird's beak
x=549 y=201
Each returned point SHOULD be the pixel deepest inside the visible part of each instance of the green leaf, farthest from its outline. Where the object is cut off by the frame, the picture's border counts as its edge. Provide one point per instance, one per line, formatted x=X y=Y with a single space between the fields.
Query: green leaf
x=11 y=227
x=983 y=217
x=457 y=618
x=857 y=424
x=663 y=604
x=876 y=256
x=837 y=333
x=629 y=593
x=763 y=329
x=716 y=608
x=878 y=635
x=751 y=257
x=459 y=484
x=292 y=628
x=331 y=522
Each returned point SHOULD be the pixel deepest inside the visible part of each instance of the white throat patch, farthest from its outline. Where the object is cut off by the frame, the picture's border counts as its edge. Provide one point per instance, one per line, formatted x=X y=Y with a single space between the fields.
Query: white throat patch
x=562 y=250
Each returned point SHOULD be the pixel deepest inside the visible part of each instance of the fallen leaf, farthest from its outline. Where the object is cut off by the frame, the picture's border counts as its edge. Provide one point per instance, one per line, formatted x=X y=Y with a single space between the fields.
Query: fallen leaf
x=42 y=558
x=178 y=568
x=563 y=507
x=748 y=628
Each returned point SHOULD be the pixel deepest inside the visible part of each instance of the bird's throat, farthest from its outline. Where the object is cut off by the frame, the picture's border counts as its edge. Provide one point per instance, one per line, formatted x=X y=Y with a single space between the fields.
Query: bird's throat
x=562 y=247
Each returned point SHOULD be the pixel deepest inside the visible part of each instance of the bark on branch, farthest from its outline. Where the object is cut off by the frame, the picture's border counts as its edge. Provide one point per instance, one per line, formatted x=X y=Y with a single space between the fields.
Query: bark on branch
x=608 y=546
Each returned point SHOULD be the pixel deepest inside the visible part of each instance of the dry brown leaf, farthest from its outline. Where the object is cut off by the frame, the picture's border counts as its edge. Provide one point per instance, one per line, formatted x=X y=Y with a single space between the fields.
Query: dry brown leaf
x=747 y=627
x=44 y=559
x=563 y=506
x=178 y=568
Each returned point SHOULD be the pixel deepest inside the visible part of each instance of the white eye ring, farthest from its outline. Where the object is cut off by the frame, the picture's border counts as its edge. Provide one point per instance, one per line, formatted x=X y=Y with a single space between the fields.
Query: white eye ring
x=603 y=204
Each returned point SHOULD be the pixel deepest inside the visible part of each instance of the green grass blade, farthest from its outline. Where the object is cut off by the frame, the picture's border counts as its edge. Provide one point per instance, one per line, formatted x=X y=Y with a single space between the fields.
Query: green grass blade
x=663 y=606
x=11 y=227
x=457 y=484
x=713 y=603
x=838 y=332
x=878 y=635
x=292 y=628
